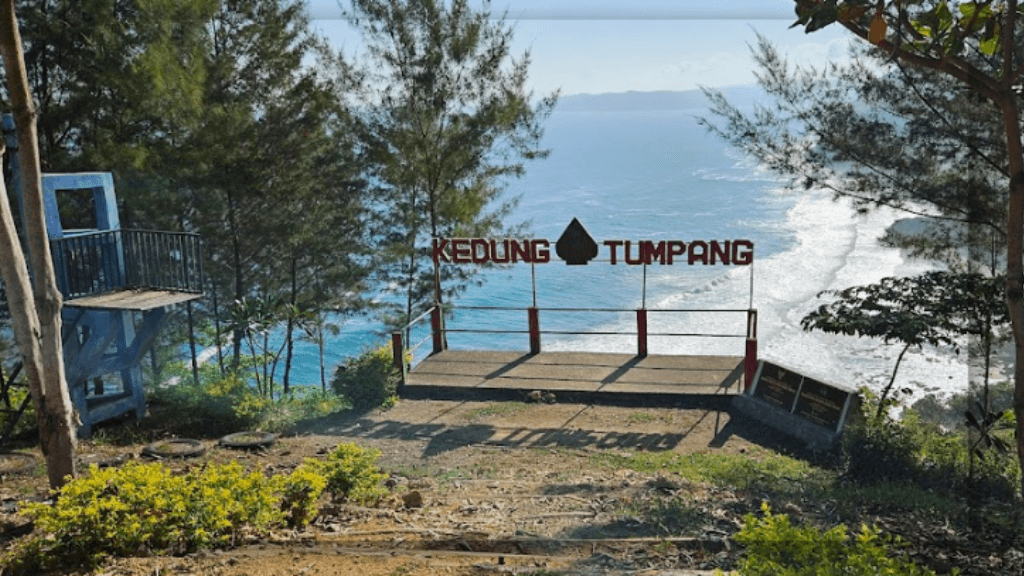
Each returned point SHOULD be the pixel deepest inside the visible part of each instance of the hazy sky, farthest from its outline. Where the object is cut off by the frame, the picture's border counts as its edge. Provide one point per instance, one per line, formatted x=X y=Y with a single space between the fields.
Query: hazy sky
x=595 y=46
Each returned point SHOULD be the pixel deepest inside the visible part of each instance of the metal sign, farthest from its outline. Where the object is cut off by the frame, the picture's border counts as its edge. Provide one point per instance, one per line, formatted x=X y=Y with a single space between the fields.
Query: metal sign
x=577 y=247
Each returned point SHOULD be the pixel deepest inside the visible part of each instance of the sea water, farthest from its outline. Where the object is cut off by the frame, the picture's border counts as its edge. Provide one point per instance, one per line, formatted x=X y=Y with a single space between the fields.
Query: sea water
x=658 y=175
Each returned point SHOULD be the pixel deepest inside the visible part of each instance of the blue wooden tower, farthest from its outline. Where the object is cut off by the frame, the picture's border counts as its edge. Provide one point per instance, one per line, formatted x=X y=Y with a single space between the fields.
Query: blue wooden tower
x=118 y=286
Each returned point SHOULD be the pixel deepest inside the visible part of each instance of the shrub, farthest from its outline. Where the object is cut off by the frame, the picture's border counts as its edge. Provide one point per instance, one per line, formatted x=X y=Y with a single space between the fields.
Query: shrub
x=352 y=473
x=880 y=450
x=774 y=547
x=212 y=406
x=26 y=423
x=117 y=511
x=913 y=450
x=223 y=404
x=299 y=493
x=369 y=380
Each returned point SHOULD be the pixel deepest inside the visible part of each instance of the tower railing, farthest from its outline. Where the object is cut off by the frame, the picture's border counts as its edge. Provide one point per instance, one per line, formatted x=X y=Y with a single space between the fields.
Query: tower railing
x=97 y=262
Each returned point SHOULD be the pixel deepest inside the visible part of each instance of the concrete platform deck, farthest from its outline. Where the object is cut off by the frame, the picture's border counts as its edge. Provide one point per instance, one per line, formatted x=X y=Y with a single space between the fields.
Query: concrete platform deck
x=576 y=376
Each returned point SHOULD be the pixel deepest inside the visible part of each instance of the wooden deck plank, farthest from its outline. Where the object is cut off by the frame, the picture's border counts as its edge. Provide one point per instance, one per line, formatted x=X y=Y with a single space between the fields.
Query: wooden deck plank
x=596 y=373
x=140 y=300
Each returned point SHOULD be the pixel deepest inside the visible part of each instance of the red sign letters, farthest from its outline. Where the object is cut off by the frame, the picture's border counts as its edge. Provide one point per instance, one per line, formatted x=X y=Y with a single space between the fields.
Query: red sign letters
x=643 y=252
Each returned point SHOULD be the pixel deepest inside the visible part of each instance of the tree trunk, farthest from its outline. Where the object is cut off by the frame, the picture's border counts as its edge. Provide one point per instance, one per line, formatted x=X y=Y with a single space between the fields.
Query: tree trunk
x=1006 y=101
x=892 y=380
x=45 y=355
x=289 y=340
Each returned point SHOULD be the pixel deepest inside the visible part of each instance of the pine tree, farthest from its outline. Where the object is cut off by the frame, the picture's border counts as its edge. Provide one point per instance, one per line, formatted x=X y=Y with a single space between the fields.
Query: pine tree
x=446 y=120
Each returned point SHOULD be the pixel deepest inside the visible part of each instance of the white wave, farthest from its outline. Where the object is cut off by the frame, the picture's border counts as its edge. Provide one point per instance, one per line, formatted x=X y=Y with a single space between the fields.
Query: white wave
x=833 y=248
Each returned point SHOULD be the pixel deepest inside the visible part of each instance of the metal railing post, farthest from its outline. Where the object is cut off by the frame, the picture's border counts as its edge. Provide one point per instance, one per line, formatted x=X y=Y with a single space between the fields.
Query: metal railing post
x=436 y=329
x=398 y=355
x=534 y=319
x=750 y=360
x=641 y=332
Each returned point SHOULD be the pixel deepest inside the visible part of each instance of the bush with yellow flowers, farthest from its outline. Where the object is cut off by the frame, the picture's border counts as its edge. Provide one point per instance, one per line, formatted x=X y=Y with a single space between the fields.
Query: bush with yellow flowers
x=299 y=492
x=121 y=511
x=352 y=473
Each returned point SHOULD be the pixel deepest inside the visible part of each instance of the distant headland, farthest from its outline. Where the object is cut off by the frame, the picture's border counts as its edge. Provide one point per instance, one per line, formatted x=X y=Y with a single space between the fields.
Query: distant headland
x=743 y=95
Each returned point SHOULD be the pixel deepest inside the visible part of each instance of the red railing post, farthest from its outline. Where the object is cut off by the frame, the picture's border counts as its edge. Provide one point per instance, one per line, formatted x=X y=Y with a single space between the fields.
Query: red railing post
x=398 y=355
x=534 y=318
x=750 y=360
x=436 y=330
x=641 y=332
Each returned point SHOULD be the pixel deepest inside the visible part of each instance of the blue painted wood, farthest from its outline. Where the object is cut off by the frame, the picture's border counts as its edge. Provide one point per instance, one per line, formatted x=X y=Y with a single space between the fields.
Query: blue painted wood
x=101 y=184
x=90 y=334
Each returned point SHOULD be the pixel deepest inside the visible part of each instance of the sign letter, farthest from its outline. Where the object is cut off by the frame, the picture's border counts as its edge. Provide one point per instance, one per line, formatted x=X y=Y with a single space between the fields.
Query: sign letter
x=612 y=244
x=675 y=248
x=460 y=251
x=439 y=254
x=742 y=252
x=698 y=252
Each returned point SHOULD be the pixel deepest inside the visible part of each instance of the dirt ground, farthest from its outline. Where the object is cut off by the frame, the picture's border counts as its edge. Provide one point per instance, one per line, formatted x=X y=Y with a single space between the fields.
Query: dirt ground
x=478 y=488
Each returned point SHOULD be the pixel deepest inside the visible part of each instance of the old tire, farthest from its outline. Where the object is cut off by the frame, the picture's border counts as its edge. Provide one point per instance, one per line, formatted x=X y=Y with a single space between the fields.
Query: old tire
x=174 y=448
x=248 y=440
x=16 y=463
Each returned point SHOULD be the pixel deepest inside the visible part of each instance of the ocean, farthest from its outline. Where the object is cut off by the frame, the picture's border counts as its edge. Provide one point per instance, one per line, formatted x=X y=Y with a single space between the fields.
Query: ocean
x=657 y=175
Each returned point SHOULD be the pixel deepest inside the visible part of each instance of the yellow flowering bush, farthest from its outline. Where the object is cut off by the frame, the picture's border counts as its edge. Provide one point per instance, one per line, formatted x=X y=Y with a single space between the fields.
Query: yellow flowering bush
x=119 y=511
x=352 y=473
x=299 y=493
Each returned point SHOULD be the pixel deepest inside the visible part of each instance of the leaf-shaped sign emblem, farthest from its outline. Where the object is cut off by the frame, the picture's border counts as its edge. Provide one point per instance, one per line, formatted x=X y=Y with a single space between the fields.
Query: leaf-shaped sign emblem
x=575 y=245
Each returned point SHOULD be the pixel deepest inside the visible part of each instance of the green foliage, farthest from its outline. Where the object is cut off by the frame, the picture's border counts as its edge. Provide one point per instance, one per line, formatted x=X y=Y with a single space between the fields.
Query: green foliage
x=932 y=308
x=936 y=308
x=774 y=547
x=299 y=492
x=369 y=380
x=873 y=123
x=207 y=406
x=223 y=404
x=852 y=499
x=118 y=511
x=352 y=473
x=26 y=423
x=880 y=449
x=446 y=121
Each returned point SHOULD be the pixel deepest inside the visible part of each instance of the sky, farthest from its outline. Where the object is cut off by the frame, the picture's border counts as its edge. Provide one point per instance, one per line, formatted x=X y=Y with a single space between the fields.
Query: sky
x=599 y=46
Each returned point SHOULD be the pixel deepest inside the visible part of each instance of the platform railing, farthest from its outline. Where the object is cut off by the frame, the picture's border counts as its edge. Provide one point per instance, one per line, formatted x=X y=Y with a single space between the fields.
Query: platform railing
x=533 y=330
x=402 y=352
x=98 y=262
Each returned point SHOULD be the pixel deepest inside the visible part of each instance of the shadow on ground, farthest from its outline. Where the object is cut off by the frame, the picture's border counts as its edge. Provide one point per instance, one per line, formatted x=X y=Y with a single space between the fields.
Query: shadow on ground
x=442 y=438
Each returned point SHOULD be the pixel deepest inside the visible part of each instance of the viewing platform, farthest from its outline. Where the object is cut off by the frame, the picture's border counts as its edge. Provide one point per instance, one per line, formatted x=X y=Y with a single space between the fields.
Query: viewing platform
x=602 y=378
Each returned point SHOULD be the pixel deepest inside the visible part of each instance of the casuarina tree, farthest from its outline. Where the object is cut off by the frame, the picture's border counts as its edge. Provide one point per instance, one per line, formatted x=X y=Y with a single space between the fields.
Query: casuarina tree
x=446 y=121
x=975 y=44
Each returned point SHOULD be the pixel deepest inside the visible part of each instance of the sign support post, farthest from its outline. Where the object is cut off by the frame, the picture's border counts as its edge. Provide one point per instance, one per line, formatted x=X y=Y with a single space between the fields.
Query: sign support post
x=750 y=360
x=534 y=318
x=641 y=333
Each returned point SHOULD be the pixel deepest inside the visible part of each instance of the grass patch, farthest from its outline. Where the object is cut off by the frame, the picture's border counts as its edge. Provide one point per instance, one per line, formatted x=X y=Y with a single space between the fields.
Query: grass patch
x=851 y=499
x=675 y=516
x=740 y=471
x=496 y=409
x=640 y=418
